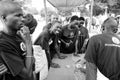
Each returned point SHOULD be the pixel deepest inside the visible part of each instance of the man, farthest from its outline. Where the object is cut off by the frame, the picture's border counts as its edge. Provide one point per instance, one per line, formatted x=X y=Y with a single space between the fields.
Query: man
x=45 y=39
x=16 y=58
x=82 y=37
x=30 y=22
x=54 y=44
x=68 y=36
x=103 y=52
x=53 y=19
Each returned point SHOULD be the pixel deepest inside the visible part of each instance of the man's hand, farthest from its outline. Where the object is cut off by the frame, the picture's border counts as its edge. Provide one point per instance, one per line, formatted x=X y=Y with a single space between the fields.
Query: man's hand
x=25 y=34
x=83 y=49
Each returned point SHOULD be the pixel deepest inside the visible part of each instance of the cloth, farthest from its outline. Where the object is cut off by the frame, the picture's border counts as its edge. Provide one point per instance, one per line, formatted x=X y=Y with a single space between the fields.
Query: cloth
x=11 y=55
x=44 y=40
x=65 y=36
x=83 y=34
x=44 y=37
x=104 y=51
x=100 y=76
x=41 y=64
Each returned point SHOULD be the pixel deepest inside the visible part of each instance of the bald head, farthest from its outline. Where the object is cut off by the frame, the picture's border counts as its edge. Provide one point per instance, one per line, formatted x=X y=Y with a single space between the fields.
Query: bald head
x=110 y=24
x=7 y=7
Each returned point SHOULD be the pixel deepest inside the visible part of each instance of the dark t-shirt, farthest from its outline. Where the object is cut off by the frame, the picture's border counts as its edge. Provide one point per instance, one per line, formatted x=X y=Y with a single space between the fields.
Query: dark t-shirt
x=44 y=37
x=11 y=55
x=104 y=51
x=65 y=36
x=83 y=34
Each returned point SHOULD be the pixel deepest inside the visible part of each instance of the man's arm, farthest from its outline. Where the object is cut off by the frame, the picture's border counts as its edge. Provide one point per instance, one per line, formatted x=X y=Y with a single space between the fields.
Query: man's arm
x=76 y=46
x=91 y=58
x=28 y=69
x=91 y=71
x=86 y=35
x=85 y=42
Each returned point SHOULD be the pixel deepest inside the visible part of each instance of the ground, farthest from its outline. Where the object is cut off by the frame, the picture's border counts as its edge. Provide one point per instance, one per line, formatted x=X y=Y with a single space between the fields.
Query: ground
x=66 y=72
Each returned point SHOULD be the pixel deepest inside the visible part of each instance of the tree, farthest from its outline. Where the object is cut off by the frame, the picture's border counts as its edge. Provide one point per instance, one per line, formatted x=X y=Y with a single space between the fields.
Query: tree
x=113 y=5
x=64 y=13
x=49 y=12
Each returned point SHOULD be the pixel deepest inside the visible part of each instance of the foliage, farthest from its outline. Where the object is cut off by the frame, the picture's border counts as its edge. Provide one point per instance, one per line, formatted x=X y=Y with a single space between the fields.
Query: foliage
x=102 y=1
x=49 y=12
x=113 y=5
x=97 y=10
x=116 y=3
x=66 y=13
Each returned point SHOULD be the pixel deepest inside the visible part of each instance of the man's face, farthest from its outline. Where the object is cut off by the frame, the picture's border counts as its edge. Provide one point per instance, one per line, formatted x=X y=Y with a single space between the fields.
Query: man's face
x=56 y=28
x=81 y=23
x=54 y=18
x=14 y=21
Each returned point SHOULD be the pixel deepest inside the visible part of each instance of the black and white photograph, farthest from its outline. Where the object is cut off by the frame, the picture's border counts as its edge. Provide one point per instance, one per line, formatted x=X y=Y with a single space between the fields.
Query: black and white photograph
x=59 y=39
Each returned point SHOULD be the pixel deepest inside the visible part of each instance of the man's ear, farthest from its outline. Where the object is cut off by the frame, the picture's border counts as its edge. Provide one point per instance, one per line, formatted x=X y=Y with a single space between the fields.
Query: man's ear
x=3 y=17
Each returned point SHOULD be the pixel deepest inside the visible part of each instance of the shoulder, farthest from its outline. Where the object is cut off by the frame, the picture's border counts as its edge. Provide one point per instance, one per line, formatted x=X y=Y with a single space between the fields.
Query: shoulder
x=96 y=38
x=2 y=37
x=48 y=26
x=65 y=26
x=1 y=33
x=6 y=42
x=83 y=28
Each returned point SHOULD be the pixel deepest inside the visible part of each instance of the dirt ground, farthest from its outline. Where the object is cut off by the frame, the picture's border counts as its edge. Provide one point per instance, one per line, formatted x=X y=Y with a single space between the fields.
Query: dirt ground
x=67 y=69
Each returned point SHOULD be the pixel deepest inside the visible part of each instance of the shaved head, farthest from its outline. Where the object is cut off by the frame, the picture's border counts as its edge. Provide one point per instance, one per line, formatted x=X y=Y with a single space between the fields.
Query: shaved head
x=7 y=7
x=110 y=24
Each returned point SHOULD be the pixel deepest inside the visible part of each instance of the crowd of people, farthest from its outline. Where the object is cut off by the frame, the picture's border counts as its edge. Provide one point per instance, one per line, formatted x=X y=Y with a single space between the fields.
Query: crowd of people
x=17 y=60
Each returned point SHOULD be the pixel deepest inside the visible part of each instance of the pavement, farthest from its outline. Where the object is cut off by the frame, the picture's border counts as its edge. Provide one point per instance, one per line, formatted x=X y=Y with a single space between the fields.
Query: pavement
x=66 y=71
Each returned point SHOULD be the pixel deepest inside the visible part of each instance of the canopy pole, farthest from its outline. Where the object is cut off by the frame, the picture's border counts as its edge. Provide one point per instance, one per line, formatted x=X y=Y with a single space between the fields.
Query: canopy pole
x=91 y=15
x=46 y=17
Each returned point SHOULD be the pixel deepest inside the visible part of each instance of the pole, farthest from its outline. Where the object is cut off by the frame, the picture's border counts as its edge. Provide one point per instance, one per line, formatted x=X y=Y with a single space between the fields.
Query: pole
x=46 y=18
x=92 y=3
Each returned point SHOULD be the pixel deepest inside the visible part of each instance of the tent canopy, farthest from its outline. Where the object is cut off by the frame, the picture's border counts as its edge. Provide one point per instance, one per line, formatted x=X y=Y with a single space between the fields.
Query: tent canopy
x=67 y=5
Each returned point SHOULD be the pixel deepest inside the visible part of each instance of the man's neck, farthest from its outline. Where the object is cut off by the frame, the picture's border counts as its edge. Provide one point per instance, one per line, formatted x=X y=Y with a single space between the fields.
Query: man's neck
x=111 y=32
x=9 y=32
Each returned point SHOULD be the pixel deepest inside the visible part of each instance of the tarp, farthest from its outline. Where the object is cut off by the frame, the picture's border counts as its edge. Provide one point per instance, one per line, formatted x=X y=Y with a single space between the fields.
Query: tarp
x=67 y=5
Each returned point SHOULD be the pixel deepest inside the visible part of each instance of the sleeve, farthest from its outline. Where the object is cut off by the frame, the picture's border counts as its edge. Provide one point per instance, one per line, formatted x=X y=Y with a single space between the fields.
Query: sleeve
x=14 y=63
x=47 y=27
x=86 y=33
x=43 y=40
x=11 y=58
x=91 y=52
x=3 y=68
